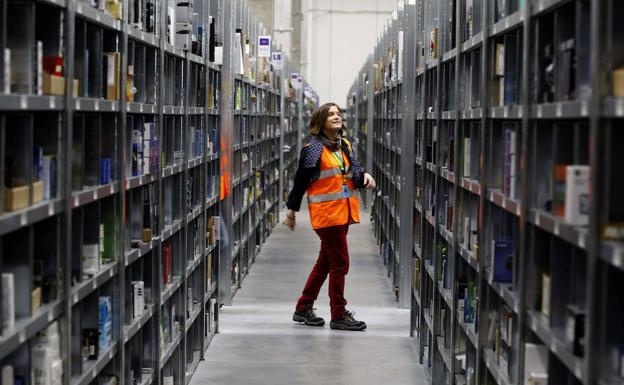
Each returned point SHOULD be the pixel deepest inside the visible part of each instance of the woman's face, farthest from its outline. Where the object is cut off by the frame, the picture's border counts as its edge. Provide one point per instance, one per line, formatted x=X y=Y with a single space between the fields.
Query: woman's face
x=334 y=120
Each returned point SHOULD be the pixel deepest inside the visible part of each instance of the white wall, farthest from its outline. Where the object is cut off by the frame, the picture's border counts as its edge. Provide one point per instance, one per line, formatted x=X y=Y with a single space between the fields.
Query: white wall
x=338 y=36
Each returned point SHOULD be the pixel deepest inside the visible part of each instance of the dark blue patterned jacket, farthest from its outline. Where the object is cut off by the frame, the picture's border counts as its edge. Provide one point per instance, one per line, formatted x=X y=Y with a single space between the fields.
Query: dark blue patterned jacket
x=310 y=168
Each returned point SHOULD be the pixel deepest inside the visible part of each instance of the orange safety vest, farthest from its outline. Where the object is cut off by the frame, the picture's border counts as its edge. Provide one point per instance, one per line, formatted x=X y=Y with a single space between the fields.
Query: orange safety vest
x=332 y=199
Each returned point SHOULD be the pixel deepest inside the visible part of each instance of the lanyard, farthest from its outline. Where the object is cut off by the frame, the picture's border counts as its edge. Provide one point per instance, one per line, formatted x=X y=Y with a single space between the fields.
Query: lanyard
x=342 y=166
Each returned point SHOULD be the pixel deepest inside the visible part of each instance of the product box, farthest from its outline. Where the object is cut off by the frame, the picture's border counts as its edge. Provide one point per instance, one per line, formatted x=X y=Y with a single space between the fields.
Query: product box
x=53 y=65
x=90 y=260
x=546 y=283
x=41 y=365
x=35 y=299
x=535 y=362
x=105 y=323
x=618 y=82
x=502 y=261
x=112 y=63
x=37 y=191
x=577 y=195
x=16 y=198
x=53 y=84
x=575 y=329
x=114 y=8
x=8 y=301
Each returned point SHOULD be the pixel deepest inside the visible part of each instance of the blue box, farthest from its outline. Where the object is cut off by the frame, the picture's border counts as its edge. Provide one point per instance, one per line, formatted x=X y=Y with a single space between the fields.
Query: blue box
x=502 y=261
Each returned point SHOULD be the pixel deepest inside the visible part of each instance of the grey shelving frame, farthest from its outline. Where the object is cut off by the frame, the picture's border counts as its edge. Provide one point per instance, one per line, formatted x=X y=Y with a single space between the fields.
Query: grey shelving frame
x=454 y=90
x=56 y=225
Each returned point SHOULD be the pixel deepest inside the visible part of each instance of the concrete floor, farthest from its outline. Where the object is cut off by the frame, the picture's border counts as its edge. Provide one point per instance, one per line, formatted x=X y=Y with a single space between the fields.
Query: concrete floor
x=260 y=344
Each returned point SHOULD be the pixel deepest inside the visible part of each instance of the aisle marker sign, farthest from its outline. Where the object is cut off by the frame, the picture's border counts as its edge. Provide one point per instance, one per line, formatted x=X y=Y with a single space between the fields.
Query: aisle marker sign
x=264 y=46
x=276 y=58
x=295 y=80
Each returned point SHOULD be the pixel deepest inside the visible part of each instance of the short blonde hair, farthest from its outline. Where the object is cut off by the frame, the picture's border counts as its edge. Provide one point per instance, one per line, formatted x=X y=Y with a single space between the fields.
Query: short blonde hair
x=317 y=122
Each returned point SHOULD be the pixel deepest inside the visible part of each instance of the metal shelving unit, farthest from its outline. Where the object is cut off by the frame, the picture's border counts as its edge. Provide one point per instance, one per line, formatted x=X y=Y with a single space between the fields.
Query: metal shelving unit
x=507 y=276
x=119 y=186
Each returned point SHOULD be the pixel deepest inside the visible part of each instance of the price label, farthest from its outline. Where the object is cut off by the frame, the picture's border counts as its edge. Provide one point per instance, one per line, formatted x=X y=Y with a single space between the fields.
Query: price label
x=23 y=102
x=93 y=284
x=505 y=112
x=584 y=108
x=50 y=317
x=23 y=219
x=95 y=195
x=50 y=209
x=114 y=107
x=112 y=188
x=581 y=241
x=558 y=111
x=539 y=111
x=140 y=107
x=96 y=105
x=110 y=273
x=52 y=103
x=75 y=299
x=78 y=104
x=22 y=337
x=537 y=220
x=76 y=201
x=556 y=228
x=97 y=16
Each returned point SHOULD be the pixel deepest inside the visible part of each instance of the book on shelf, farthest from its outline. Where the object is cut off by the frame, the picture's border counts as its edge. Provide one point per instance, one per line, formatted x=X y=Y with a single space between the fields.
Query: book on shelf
x=499 y=74
x=501 y=263
x=167 y=263
x=546 y=293
x=617 y=82
x=510 y=166
x=566 y=70
x=466 y=158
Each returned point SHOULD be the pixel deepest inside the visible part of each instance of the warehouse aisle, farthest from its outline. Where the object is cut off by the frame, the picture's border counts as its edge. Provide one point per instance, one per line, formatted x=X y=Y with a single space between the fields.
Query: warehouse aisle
x=260 y=344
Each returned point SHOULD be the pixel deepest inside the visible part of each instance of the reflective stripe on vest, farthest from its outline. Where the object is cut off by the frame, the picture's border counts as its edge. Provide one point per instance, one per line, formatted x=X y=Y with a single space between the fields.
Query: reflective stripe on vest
x=328 y=197
x=333 y=172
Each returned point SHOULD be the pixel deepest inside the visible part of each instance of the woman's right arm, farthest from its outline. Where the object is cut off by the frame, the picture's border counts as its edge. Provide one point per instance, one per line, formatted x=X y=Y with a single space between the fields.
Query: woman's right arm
x=303 y=176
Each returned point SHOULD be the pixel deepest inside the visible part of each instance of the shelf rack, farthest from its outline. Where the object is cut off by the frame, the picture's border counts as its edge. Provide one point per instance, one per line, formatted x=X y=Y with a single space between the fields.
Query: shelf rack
x=501 y=283
x=118 y=185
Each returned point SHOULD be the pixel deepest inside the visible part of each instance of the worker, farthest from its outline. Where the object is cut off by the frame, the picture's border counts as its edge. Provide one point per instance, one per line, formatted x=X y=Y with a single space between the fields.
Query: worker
x=330 y=174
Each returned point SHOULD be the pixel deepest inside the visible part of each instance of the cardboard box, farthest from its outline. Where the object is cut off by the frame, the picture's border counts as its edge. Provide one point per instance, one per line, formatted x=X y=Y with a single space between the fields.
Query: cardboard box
x=113 y=7
x=37 y=191
x=618 y=82
x=112 y=62
x=16 y=198
x=35 y=299
x=76 y=85
x=53 y=85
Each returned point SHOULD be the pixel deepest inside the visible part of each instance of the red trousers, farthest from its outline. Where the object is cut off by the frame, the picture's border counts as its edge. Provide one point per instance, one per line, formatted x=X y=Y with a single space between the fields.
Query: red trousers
x=333 y=260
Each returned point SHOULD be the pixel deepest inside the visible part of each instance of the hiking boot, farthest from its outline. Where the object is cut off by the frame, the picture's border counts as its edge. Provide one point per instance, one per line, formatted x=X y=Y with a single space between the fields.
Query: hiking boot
x=347 y=322
x=309 y=317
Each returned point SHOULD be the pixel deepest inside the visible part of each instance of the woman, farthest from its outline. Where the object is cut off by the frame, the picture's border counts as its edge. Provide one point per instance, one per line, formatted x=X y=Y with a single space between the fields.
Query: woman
x=329 y=173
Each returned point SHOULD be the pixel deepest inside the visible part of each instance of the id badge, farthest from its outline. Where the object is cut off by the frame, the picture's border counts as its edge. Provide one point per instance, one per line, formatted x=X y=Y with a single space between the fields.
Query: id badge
x=346 y=193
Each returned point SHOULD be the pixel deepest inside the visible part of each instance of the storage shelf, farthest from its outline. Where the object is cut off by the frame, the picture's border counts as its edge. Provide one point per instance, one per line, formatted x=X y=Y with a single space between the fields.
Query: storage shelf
x=444 y=352
x=27 y=328
x=448 y=175
x=191 y=320
x=474 y=186
x=192 y=265
x=506 y=112
x=554 y=339
x=173 y=110
x=468 y=330
x=474 y=113
x=170 y=289
x=171 y=347
x=137 y=323
x=13 y=220
x=613 y=253
x=501 y=200
x=141 y=108
x=489 y=357
x=136 y=253
x=561 y=110
x=98 y=17
x=16 y=102
x=144 y=37
x=468 y=256
x=543 y=6
x=473 y=42
x=92 y=368
x=575 y=235
x=504 y=292
x=172 y=170
x=138 y=181
x=86 y=287
x=89 y=195
x=96 y=105
x=168 y=231
x=171 y=50
x=507 y=24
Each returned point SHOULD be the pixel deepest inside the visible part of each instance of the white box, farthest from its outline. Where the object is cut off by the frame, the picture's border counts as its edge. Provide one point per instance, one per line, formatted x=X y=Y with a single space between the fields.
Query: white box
x=577 y=195
x=171 y=20
x=138 y=300
x=90 y=259
x=39 y=85
x=8 y=301
x=535 y=362
x=41 y=365
x=184 y=13
x=7 y=72
x=7 y=375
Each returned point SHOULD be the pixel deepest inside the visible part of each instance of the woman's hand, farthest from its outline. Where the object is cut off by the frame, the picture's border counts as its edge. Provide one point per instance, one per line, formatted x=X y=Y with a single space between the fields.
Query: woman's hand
x=369 y=182
x=289 y=221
